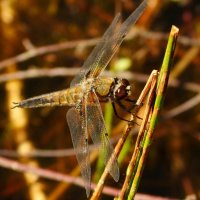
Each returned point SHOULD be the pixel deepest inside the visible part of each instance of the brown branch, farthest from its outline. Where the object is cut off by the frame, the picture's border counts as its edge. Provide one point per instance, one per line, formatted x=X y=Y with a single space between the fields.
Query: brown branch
x=189 y=104
x=10 y=164
x=46 y=49
x=184 y=40
x=38 y=51
x=138 y=146
x=16 y=166
x=118 y=147
x=44 y=153
x=66 y=71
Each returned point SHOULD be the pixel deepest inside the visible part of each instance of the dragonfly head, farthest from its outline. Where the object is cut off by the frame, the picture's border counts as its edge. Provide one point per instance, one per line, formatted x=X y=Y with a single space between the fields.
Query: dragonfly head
x=122 y=89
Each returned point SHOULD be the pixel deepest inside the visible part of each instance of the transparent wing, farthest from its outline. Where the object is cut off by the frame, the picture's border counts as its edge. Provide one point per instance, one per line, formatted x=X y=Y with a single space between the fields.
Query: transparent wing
x=78 y=129
x=99 y=135
x=96 y=55
x=108 y=45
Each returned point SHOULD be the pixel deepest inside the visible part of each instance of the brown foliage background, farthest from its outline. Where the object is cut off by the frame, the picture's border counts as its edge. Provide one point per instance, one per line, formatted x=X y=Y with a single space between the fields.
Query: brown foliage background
x=173 y=165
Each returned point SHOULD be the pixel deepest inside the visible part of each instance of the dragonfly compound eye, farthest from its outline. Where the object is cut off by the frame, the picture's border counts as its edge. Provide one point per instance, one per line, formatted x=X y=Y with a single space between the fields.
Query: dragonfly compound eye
x=122 y=89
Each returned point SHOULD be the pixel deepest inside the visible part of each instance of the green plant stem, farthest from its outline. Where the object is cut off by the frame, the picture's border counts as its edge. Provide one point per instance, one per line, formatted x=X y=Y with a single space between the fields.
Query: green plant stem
x=161 y=90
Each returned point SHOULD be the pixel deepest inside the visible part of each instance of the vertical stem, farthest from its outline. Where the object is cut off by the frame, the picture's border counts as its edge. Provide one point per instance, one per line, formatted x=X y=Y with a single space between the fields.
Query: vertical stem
x=138 y=146
x=161 y=90
x=119 y=145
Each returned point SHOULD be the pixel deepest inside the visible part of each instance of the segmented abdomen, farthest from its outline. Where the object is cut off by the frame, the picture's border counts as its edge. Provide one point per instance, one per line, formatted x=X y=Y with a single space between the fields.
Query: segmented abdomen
x=68 y=97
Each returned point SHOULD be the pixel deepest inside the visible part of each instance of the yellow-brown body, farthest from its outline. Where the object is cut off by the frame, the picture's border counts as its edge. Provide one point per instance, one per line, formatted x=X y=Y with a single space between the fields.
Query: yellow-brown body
x=71 y=96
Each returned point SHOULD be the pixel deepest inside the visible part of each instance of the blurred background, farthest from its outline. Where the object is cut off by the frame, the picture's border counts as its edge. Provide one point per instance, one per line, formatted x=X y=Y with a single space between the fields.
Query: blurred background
x=43 y=43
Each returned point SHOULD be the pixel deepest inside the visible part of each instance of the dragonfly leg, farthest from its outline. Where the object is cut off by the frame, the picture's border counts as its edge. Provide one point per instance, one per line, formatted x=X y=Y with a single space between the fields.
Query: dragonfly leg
x=131 y=100
x=115 y=111
x=124 y=107
x=127 y=110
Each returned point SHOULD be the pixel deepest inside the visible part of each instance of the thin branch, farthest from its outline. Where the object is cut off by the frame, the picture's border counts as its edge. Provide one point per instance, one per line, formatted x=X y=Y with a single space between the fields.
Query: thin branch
x=99 y=188
x=55 y=153
x=138 y=145
x=66 y=71
x=45 y=153
x=160 y=95
x=41 y=153
x=16 y=166
x=120 y=144
x=184 y=40
x=191 y=103
x=38 y=51
x=10 y=164
x=184 y=62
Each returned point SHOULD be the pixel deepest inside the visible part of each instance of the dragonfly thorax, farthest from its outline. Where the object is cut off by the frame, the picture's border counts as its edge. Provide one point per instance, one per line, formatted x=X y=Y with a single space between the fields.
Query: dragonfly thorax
x=121 y=89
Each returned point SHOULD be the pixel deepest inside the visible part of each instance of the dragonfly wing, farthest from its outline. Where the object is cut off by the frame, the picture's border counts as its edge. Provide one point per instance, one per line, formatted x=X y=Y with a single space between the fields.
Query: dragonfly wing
x=77 y=125
x=99 y=135
x=95 y=56
x=108 y=45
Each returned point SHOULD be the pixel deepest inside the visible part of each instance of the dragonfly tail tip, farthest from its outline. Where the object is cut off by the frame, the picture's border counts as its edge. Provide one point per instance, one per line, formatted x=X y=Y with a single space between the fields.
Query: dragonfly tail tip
x=15 y=105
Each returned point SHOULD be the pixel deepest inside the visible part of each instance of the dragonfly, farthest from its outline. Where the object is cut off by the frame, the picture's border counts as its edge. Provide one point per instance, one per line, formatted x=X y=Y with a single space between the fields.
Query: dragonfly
x=87 y=90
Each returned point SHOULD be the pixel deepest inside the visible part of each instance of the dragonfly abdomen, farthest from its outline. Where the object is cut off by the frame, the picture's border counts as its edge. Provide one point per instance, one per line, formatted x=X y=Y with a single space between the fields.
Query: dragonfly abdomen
x=68 y=97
